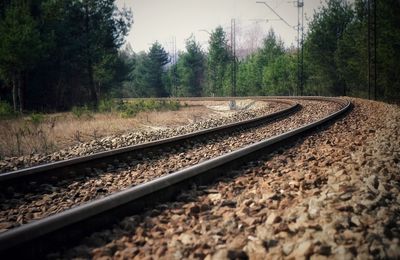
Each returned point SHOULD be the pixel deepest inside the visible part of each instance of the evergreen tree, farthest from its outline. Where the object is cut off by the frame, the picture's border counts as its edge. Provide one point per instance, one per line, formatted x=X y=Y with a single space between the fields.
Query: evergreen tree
x=104 y=30
x=67 y=51
x=279 y=77
x=271 y=49
x=265 y=71
x=192 y=69
x=20 y=49
x=248 y=82
x=326 y=30
x=157 y=59
x=218 y=60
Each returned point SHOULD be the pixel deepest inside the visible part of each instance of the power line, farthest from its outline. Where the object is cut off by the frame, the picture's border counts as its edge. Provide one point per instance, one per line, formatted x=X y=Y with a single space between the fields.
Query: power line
x=280 y=17
x=300 y=40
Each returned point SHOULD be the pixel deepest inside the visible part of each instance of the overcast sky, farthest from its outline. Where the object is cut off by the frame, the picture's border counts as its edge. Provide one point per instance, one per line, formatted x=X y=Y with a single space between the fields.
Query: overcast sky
x=162 y=20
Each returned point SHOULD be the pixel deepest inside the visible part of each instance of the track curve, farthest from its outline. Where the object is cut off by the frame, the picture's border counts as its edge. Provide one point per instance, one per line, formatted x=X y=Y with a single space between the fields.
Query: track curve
x=134 y=199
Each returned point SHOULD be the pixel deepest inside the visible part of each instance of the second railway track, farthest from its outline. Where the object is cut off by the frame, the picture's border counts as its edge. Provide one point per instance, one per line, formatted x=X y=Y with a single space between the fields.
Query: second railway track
x=33 y=193
x=313 y=110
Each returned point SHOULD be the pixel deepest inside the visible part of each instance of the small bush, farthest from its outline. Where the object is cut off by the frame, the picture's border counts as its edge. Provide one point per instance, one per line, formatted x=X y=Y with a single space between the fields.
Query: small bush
x=154 y=105
x=36 y=119
x=174 y=105
x=6 y=109
x=81 y=111
x=106 y=105
x=130 y=109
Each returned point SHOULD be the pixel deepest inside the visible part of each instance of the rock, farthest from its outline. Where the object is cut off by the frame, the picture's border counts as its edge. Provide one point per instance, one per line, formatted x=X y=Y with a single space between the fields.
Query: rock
x=215 y=197
x=346 y=196
x=342 y=253
x=255 y=250
x=303 y=249
x=294 y=184
x=238 y=242
x=394 y=250
x=356 y=221
x=264 y=232
x=313 y=208
x=273 y=218
x=187 y=239
x=287 y=248
x=221 y=254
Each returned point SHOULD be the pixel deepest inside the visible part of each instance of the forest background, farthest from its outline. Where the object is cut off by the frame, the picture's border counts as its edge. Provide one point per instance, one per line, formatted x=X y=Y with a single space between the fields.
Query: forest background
x=55 y=55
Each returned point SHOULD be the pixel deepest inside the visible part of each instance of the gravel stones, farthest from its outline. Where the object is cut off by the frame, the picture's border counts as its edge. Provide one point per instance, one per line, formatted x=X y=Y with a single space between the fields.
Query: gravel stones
x=72 y=191
x=342 y=204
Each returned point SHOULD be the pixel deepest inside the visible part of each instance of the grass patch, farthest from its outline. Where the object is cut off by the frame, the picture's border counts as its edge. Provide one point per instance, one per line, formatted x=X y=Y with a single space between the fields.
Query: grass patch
x=130 y=109
x=126 y=109
x=46 y=133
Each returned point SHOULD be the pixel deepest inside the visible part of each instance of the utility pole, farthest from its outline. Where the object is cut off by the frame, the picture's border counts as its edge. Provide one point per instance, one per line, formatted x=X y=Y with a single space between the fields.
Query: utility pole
x=233 y=52
x=232 y=104
x=300 y=4
x=300 y=40
x=175 y=85
x=375 y=46
x=174 y=90
x=298 y=49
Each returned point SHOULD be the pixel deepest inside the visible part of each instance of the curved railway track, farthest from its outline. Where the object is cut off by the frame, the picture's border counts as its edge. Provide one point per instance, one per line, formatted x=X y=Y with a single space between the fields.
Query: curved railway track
x=36 y=194
x=101 y=160
x=37 y=236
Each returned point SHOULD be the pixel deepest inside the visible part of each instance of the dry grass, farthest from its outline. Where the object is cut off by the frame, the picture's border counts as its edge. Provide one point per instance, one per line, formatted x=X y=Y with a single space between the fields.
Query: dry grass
x=53 y=132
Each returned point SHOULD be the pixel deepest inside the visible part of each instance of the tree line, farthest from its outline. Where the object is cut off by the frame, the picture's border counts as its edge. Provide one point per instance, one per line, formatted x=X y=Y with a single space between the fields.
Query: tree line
x=200 y=73
x=335 y=60
x=336 y=49
x=56 y=54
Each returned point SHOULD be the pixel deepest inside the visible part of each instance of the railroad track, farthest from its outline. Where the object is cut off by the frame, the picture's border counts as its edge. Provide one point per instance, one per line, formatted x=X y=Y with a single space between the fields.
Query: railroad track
x=101 y=160
x=36 y=236
x=26 y=192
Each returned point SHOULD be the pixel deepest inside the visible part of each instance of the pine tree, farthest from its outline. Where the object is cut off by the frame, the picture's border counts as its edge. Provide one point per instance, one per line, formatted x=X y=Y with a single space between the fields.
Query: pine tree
x=154 y=69
x=326 y=30
x=218 y=60
x=192 y=69
x=20 y=49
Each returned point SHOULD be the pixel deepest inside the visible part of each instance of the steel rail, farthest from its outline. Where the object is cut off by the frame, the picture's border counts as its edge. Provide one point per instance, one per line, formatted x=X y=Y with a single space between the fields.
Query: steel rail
x=101 y=159
x=36 y=238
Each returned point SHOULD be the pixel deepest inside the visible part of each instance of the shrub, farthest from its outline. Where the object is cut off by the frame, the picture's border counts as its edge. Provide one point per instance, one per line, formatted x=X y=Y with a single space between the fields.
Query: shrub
x=106 y=105
x=130 y=109
x=174 y=105
x=6 y=109
x=36 y=119
x=81 y=111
